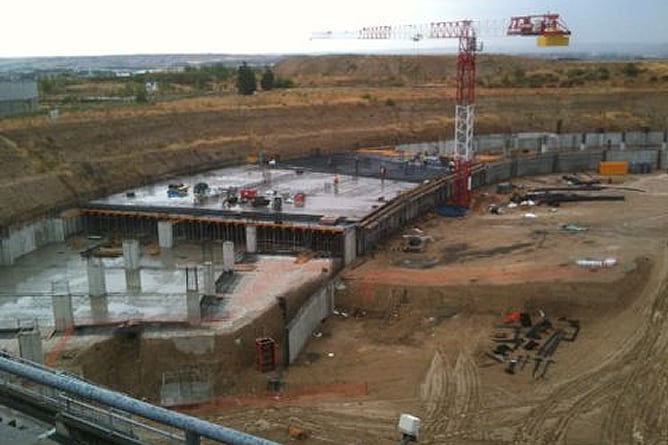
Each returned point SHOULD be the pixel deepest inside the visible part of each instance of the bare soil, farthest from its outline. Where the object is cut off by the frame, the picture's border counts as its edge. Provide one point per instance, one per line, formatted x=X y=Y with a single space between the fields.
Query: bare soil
x=414 y=340
x=90 y=152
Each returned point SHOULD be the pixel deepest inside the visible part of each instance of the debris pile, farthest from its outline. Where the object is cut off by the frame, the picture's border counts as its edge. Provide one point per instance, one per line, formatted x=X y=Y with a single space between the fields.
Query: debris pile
x=520 y=340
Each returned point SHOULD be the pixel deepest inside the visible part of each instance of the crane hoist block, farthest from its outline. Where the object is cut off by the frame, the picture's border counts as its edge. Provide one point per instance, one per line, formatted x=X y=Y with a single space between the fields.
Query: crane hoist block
x=553 y=40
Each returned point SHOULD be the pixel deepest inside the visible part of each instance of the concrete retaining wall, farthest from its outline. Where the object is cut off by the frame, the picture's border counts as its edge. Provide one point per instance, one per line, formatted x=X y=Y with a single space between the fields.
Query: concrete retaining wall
x=535 y=165
x=30 y=237
x=651 y=156
x=548 y=141
x=499 y=172
x=310 y=315
x=574 y=161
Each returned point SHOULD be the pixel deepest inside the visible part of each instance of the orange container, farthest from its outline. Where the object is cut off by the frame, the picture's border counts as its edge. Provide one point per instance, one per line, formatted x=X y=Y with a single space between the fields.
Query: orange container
x=613 y=167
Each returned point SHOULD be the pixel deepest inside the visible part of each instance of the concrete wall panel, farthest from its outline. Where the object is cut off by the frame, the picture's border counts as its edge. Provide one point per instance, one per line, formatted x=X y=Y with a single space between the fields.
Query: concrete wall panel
x=577 y=161
x=309 y=317
x=633 y=156
x=37 y=234
x=498 y=172
x=537 y=165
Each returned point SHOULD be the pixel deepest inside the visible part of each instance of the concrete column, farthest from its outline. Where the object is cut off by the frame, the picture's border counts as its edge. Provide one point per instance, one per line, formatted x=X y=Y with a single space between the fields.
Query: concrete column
x=192 y=283
x=228 y=255
x=664 y=146
x=193 y=309
x=99 y=308
x=30 y=346
x=208 y=279
x=131 y=255
x=63 y=315
x=97 y=289
x=133 y=280
x=165 y=234
x=251 y=239
x=622 y=145
x=97 y=283
x=349 y=246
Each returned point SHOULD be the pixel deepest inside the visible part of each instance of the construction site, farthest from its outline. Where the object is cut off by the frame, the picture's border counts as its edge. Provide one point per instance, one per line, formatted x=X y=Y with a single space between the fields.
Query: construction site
x=501 y=287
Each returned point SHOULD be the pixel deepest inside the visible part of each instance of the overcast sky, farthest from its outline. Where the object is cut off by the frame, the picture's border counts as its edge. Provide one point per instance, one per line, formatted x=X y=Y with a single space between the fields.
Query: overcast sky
x=89 y=27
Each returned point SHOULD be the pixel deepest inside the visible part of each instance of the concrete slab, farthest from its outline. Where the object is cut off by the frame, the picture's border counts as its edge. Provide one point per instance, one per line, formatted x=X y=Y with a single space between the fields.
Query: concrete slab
x=25 y=289
x=353 y=199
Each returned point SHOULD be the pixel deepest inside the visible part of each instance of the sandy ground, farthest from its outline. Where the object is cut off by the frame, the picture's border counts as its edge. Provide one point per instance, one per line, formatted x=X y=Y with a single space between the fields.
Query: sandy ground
x=423 y=352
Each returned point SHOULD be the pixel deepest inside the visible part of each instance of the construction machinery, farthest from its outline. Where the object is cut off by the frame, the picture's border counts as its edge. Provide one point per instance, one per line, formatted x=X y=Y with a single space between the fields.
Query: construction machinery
x=548 y=28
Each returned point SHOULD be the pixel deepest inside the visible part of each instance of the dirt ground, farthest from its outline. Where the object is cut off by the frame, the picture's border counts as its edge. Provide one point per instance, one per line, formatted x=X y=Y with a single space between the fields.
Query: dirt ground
x=413 y=340
x=341 y=103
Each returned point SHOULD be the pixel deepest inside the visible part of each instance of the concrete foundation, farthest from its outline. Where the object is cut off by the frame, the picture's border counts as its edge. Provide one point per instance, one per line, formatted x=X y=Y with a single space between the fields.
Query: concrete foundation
x=228 y=255
x=251 y=239
x=30 y=346
x=165 y=234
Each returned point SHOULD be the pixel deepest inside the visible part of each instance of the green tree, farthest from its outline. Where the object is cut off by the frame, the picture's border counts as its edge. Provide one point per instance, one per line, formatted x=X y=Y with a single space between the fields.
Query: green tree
x=267 y=81
x=246 y=82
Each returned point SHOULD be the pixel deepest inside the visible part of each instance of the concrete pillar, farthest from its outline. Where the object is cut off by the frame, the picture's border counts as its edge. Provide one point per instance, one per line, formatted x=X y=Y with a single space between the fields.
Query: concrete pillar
x=165 y=234
x=664 y=146
x=192 y=283
x=193 y=309
x=97 y=289
x=133 y=280
x=251 y=239
x=131 y=254
x=30 y=346
x=99 y=308
x=208 y=279
x=228 y=255
x=349 y=246
x=61 y=300
x=97 y=283
x=622 y=145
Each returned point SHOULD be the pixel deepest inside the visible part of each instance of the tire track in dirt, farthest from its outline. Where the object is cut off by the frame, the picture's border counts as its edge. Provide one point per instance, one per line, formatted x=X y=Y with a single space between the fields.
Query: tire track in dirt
x=620 y=425
x=453 y=399
x=573 y=398
x=436 y=392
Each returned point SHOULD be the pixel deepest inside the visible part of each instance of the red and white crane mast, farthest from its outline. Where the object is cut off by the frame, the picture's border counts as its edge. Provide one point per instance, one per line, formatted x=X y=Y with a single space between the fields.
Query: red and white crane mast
x=548 y=28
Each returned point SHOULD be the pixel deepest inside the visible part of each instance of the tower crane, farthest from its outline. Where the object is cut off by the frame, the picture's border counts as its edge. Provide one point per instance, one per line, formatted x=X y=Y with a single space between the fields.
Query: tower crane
x=548 y=28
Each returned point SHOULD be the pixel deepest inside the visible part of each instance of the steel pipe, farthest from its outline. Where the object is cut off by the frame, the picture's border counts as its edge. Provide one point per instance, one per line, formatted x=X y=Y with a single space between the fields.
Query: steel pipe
x=70 y=384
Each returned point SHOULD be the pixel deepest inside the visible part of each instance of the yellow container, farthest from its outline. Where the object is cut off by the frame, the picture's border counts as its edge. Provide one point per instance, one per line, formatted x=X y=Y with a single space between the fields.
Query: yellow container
x=553 y=40
x=613 y=168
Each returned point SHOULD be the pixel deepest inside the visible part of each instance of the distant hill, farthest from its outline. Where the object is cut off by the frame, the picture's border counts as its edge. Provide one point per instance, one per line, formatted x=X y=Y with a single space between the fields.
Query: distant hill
x=131 y=63
x=142 y=62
